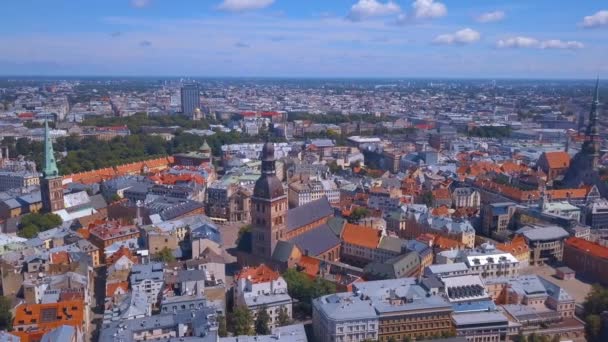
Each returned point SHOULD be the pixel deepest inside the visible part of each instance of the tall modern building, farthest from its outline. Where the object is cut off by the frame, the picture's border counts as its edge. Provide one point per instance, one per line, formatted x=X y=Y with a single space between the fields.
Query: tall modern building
x=583 y=167
x=191 y=101
x=268 y=207
x=51 y=186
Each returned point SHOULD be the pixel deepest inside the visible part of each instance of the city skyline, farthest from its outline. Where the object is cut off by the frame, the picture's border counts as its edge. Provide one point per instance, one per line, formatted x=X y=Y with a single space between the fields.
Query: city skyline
x=314 y=39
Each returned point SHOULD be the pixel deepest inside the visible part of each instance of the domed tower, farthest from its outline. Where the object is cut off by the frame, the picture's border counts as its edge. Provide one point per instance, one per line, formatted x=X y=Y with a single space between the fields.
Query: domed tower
x=268 y=207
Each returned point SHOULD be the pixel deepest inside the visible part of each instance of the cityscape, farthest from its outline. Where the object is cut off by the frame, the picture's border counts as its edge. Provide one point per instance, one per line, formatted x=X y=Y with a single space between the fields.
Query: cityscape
x=346 y=184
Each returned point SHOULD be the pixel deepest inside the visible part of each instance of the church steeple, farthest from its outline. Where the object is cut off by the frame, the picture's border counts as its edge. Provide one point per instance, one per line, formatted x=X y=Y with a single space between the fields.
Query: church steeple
x=51 y=184
x=50 y=165
x=592 y=135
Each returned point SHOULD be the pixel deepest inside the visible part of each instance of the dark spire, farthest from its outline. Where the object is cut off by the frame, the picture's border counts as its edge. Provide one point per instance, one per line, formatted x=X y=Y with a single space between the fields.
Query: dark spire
x=268 y=161
x=592 y=135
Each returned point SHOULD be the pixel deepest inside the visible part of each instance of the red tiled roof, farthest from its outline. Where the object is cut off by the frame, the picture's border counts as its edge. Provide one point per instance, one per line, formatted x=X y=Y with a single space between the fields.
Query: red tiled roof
x=111 y=288
x=260 y=274
x=557 y=159
x=361 y=236
x=588 y=247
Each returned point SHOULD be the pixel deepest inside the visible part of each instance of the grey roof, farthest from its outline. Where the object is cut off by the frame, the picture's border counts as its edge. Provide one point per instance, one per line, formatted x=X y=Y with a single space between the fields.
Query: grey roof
x=543 y=233
x=282 y=251
x=336 y=224
x=61 y=333
x=393 y=268
x=153 y=271
x=470 y=318
x=307 y=213
x=197 y=320
x=12 y=203
x=33 y=197
x=98 y=202
x=291 y=333
x=316 y=241
x=391 y=243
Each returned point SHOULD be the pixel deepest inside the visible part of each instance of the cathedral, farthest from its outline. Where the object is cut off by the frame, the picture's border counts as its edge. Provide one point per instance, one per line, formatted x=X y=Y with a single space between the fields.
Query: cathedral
x=583 y=170
x=280 y=236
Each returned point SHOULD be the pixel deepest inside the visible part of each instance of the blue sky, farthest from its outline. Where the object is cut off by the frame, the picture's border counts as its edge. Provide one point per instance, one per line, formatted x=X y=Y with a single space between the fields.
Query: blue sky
x=306 y=38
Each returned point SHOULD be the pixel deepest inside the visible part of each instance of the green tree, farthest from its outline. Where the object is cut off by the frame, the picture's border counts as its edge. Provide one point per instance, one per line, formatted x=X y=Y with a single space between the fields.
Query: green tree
x=593 y=327
x=427 y=198
x=222 y=329
x=28 y=231
x=6 y=318
x=304 y=289
x=41 y=221
x=358 y=213
x=261 y=322
x=165 y=255
x=241 y=321
x=283 y=318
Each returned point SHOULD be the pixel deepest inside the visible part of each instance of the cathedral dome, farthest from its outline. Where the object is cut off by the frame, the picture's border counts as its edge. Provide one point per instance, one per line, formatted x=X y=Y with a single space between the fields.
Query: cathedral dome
x=268 y=187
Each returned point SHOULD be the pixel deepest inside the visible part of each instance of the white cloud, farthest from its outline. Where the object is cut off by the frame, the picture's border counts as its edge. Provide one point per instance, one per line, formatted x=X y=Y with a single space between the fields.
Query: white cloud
x=464 y=36
x=527 y=42
x=424 y=9
x=243 y=5
x=140 y=3
x=371 y=8
x=560 y=44
x=490 y=17
x=517 y=42
x=598 y=19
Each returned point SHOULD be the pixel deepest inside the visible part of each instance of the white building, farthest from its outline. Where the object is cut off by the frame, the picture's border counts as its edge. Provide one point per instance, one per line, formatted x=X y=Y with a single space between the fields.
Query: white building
x=149 y=280
x=305 y=191
x=466 y=198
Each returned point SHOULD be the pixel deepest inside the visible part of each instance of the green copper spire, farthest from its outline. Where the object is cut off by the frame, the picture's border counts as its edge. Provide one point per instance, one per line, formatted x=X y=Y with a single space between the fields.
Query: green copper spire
x=50 y=166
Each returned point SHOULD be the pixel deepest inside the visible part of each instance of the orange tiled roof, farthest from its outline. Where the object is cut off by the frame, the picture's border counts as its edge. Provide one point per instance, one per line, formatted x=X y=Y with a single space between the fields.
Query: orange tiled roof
x=111 y=288
x=511 y=167
x=260 y=274
x=310 y=265
x=516 y=246
x=441 y=211
x=441 y=194
x=557 y=159
x=446 y=243
x=45 y=317
x=565 y=193
x=172 y=179
x=588 y=247
x=60 y=258
x=361 y=235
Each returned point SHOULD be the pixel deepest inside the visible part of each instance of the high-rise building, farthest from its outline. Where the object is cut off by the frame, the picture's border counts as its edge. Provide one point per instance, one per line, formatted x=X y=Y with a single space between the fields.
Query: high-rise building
x=51 y=184
x=191 y=101
x=268 y=207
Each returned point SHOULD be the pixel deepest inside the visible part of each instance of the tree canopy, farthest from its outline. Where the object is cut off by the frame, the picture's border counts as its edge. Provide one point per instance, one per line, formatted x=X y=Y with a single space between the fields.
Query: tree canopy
x=241 y=321
x=305 y=289
x=6 y=317
x=261 y=322
x=595 y=303
x=32 y=224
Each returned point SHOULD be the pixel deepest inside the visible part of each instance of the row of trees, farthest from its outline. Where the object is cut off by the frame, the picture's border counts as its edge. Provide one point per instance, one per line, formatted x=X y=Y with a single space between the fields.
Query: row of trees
x=89 y=153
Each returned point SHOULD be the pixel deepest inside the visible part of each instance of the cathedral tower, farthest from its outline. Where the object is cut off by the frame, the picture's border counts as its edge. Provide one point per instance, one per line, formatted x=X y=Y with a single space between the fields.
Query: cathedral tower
x=51 y=184
x=268 y=207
